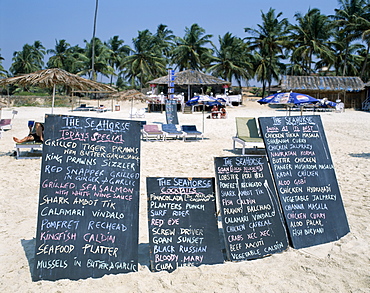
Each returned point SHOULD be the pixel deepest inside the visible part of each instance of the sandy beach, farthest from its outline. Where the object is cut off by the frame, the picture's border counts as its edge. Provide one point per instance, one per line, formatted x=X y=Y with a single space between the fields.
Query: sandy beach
x=340 y=266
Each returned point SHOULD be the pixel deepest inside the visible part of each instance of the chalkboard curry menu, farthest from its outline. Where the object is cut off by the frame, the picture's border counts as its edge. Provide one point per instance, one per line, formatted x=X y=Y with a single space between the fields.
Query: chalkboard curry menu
x=251 y=217
x=89 y=198
x=305 y=179
x=182 y=223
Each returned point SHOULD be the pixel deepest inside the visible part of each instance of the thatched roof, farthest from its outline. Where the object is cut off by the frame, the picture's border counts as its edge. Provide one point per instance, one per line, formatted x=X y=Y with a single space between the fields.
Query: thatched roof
x=190 y=77
x=55 y=76
x=129 y=95
x=322 y=83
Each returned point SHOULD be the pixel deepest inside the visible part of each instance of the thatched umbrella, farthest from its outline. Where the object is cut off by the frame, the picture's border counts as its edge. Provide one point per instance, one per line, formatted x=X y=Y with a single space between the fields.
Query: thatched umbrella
x=191 y=77
x=50 y=78
x=131 y=95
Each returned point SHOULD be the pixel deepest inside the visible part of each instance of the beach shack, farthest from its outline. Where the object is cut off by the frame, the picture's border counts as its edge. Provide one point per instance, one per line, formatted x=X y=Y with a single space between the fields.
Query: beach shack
x=186 y=84
x=349 y=89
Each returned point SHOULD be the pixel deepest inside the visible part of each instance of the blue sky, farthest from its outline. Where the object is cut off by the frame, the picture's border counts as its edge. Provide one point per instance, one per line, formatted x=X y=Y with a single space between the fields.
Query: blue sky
x=25 y=21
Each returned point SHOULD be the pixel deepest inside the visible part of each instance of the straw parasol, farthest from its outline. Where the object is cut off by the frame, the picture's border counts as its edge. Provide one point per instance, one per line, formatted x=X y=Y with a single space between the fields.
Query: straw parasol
x=131 y=95
x=50 y=78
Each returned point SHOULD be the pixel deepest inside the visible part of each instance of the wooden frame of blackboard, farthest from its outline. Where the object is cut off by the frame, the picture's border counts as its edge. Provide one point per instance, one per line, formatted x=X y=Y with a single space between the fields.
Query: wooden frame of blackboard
x=89 y=198
x=182 y=223
x=251 y=216
x=305 y=179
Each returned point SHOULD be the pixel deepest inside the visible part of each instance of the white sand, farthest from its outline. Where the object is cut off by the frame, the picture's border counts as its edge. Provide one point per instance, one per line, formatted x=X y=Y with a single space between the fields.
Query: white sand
x=341 y=266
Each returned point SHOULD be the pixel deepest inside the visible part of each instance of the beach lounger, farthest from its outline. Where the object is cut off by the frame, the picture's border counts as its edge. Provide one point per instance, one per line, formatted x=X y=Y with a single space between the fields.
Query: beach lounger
x=34 y=149
x=191 y=131
x=83 y=107
x=5 y=123
x=170 y=130
x=247 y=134
x=152 y=131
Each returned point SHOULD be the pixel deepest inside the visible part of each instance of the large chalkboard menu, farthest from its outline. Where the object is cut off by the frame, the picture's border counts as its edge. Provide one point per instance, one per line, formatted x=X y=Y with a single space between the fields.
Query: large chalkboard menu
x=89 y=198
x=251 y=217
x=305 y=179
x=182 y=223
x=171 y=112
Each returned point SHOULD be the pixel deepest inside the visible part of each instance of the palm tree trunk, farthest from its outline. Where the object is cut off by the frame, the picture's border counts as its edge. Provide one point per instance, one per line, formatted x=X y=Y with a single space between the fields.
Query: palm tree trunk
x=365 y=62
x=93 y=43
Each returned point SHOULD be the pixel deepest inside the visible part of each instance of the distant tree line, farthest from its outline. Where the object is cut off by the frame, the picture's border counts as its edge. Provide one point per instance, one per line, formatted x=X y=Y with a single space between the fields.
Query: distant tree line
x=318 y=44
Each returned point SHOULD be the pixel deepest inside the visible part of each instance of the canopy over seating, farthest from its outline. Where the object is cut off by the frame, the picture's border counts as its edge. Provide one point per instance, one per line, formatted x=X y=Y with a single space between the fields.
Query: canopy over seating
x=191 y=77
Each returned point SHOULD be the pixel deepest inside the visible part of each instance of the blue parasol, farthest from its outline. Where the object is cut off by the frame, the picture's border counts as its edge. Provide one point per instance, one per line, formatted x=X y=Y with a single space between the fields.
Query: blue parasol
x=205 y=100
x=288 y=98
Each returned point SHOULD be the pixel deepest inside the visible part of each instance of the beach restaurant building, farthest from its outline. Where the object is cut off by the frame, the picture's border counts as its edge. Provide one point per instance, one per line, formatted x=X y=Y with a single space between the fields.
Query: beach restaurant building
x=349 y=89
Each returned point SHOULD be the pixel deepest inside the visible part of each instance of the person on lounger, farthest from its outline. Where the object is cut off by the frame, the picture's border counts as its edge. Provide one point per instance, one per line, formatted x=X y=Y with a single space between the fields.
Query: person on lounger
x=36 y=136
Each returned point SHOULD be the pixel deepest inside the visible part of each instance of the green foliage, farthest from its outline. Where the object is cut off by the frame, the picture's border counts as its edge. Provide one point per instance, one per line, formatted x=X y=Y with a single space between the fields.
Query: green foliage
x=35 y=94
x=340 y=43
x=256 y=91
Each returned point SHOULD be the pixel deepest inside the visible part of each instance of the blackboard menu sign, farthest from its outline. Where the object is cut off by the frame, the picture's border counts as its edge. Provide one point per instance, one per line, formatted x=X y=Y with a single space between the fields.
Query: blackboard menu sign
x=89 y=198
x=305 y=179
x=171 y=112
x=182 y=223
x=251 y=217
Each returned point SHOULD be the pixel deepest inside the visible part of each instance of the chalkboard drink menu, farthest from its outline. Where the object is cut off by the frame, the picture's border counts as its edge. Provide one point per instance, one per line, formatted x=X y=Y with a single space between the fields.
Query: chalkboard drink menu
x=305 y=179
x=251 y=217
x=171 y=112
x=89 y=198
x=182 y=223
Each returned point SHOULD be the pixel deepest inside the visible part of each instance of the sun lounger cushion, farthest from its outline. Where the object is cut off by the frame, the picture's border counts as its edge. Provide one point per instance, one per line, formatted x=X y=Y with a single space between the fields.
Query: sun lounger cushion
x=152 y=131
x=247 y=133
x=190 y=129
x=5 y=123
x=171 y=128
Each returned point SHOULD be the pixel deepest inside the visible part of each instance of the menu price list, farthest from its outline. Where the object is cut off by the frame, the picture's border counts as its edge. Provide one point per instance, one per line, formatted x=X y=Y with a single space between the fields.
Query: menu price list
x=305 y=179
x=182 y=223
x=89 y=198
x=250 y=212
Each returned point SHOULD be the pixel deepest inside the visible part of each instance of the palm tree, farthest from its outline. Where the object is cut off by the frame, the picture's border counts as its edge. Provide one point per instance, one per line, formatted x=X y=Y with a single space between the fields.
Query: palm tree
x=269 y=40
x=342 y=52
x=3 y=72
x=145 y=61
x=164 y=39
x=66 y=57
x=344 y=17
x=28 y=60
x=93 y=75
x=118 y=52
x=233 y=59
x=190 y=52
x=101 y=55
x=310 y=38
x=60 y=56
x=361 y=29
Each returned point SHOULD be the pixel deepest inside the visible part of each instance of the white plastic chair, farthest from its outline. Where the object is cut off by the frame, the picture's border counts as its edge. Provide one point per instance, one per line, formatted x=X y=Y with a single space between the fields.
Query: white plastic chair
x=132 y=113
x=339 y=108
x=140 y=113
